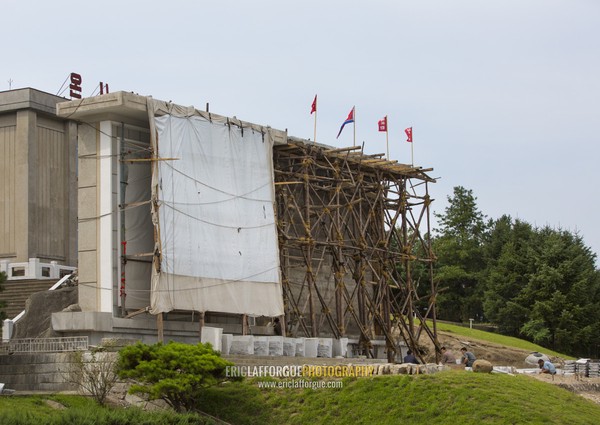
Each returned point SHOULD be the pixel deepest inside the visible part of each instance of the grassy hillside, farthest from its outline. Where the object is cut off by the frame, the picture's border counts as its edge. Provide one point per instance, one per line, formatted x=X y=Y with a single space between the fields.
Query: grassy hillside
x=506 y=341
x=448 y=397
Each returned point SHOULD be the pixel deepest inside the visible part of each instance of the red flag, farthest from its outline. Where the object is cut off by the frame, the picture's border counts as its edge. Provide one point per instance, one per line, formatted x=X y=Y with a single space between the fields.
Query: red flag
x=408 y=132
x=314 y=105
x=383 y=124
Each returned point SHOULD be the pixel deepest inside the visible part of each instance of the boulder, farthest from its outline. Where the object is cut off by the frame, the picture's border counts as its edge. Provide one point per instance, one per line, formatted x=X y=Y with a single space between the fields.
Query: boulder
x=482 y=366
x=37 y=320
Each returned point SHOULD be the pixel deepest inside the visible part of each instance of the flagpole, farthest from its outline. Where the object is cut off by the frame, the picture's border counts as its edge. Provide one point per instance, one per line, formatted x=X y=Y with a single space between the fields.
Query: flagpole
x=354 y=115
x=387 y=144
x=412 y=152
x=315 y=138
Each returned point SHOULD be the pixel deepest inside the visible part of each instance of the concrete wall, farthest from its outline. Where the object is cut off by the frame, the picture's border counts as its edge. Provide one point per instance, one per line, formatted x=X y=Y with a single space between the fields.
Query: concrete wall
x=100 y=218
x=8 y=176
x=37 y=179
x=143 y=328
x=36 y=372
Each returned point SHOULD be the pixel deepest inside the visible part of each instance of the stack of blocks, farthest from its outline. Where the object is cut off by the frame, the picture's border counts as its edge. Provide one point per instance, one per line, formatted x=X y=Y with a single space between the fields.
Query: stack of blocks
x=229 y=344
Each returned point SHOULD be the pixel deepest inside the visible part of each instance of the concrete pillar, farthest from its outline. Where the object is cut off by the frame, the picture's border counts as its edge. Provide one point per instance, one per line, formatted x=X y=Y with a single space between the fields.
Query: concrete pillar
x=26 y=161
x=106 y=209
x=71 y=214
x=4 y=266
x=33 y=270
x=95 y=212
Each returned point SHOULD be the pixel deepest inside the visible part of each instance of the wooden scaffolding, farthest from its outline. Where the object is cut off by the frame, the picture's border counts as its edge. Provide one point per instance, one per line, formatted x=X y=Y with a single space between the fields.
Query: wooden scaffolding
x=353 y=232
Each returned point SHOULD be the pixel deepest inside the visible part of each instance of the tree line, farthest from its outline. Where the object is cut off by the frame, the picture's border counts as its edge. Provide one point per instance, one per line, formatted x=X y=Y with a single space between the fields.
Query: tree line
x=536 y=283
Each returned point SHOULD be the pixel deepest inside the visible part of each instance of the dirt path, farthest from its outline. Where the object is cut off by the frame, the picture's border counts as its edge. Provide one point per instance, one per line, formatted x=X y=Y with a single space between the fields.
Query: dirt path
x=586 y=387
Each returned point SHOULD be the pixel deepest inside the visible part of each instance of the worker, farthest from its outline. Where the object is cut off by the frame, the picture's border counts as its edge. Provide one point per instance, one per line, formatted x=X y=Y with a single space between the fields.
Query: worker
x=468 y=358
x=547 y=367
x=410 y=358
x=277 y=326
x=447 y=356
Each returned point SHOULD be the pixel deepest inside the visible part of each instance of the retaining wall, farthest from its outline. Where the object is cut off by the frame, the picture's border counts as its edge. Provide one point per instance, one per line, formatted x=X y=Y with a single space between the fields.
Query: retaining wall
x=36 y=372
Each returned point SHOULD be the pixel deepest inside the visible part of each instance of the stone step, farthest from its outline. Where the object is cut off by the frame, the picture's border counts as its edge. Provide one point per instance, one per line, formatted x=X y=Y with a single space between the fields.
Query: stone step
x=16 y=293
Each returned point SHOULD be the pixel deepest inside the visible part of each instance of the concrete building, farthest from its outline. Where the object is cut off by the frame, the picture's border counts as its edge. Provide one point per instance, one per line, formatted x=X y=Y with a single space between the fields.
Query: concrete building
x=348 y=228
x=114 y=176
x=259 y=225
x=38 y=166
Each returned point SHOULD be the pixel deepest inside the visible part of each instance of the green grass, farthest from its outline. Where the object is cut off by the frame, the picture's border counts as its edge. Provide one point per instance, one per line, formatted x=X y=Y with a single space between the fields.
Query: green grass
x=26 y=410
x=506 y=341
x=448 y=397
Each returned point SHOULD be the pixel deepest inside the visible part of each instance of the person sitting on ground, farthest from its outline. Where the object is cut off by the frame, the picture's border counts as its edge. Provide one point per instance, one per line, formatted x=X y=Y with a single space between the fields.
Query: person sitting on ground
x=468 y=358
x=410 y=358
x=546 y=367
x=447 y=356
x=277 y=326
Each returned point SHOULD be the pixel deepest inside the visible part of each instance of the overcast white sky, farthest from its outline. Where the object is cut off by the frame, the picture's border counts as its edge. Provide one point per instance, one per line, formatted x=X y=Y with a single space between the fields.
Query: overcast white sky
x=503 y=95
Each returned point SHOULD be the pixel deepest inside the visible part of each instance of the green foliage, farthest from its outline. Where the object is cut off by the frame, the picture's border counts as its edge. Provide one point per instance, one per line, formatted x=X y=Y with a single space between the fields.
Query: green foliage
x=460 y=265
x=543 y=285
x=510 y=263
x=449 y=397
x=19 y=410
x=503 y=340
x=535 y=283
x=175 y=372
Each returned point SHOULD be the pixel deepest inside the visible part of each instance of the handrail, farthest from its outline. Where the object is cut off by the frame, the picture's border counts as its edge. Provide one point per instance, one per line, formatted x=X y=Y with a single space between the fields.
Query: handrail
x=44 y=345
x=8 y=325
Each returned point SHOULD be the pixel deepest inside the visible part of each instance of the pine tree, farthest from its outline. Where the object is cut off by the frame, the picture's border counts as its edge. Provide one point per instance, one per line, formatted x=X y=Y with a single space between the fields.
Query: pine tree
x=458 y=247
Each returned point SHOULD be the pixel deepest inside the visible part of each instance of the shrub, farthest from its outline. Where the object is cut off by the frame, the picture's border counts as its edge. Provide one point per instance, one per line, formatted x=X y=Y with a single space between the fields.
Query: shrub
x=175 y=372
x=94 y=373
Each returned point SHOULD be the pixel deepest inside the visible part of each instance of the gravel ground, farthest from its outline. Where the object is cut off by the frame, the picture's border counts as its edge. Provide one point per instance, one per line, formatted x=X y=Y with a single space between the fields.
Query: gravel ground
x=585 y=387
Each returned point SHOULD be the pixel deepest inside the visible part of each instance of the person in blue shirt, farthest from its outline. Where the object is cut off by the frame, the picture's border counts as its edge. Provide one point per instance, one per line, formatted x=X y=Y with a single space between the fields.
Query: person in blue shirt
x=546 y=367
x=410 y=358
x=468 y=358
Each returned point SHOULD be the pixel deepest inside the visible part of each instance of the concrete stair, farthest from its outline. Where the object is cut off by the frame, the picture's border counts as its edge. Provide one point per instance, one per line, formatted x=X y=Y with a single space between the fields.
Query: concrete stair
x=16 y=293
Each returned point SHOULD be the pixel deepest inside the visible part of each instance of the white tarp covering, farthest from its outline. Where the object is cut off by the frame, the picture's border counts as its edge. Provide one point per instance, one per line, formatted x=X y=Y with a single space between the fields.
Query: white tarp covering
x=218 y=236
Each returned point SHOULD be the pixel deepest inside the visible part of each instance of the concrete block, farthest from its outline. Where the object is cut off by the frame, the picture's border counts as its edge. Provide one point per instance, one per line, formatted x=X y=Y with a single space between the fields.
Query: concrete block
x=261 y=346
x=87 y=142
x=380 y=352
x=242 y=344
x=212 y=336
x=300 y=347
x=87 y=203
x=311 y=346
x=289 y=347
x=226 y=340
x=325 y=348
x=340 y=347
x=88 y=230
x=275 y=346
x=87 y=173
x=81 y=320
